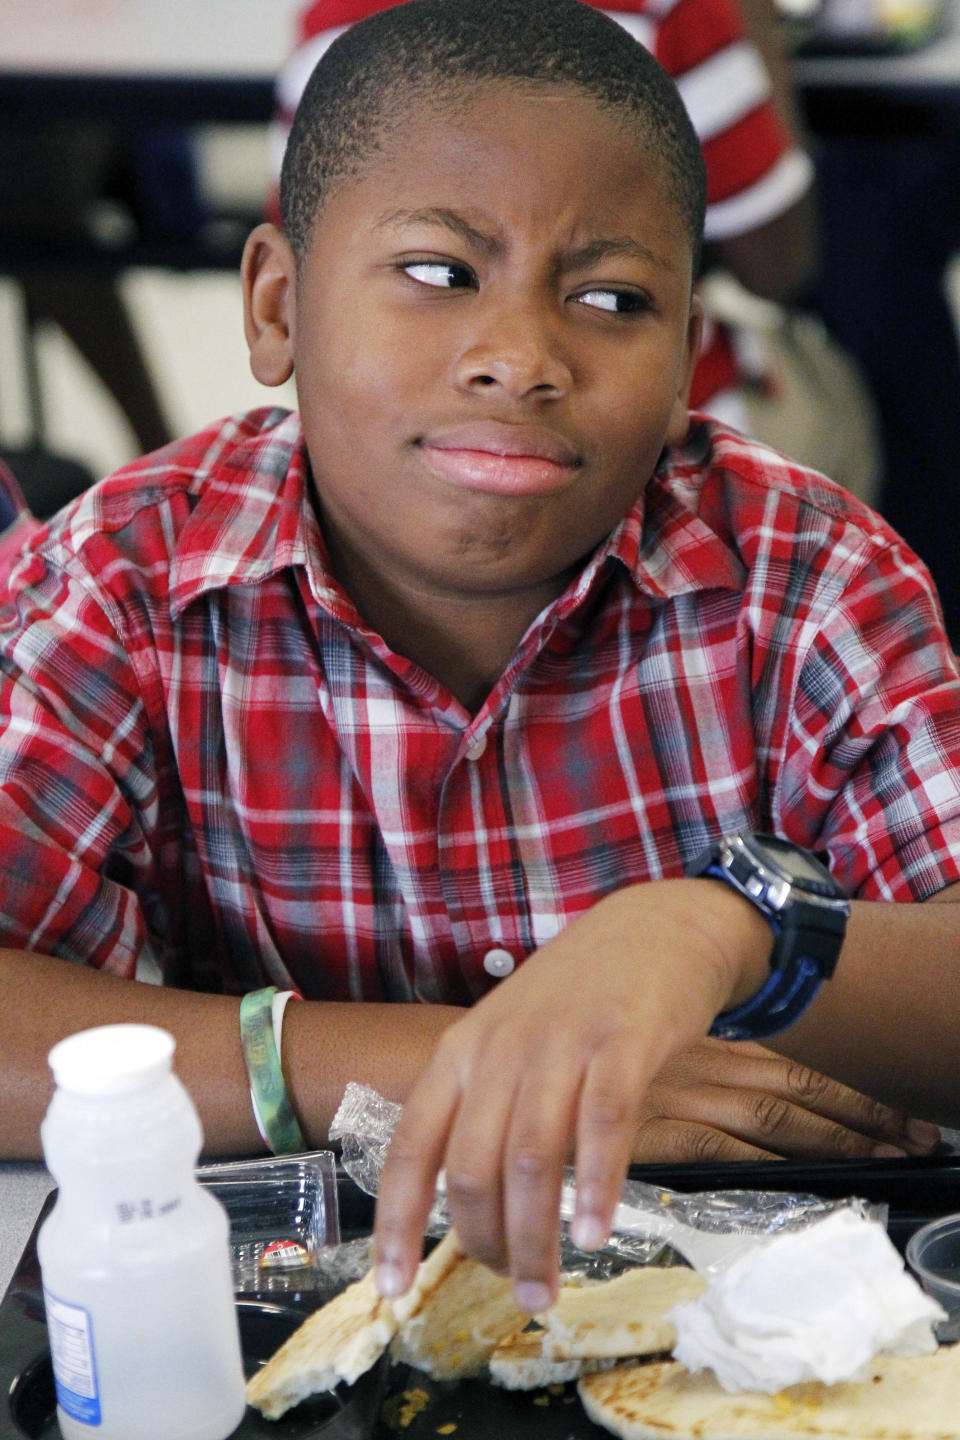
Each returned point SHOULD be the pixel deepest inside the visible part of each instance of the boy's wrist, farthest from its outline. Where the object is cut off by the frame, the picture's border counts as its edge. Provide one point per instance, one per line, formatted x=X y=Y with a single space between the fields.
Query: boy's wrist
x=716 y=944
x=743 y=938
x=806 y=911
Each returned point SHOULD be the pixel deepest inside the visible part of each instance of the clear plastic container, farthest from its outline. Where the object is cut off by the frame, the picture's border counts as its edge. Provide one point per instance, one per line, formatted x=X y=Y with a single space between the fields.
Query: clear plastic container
x=284 y=1220
x=134 y=1255
x=933 y=1254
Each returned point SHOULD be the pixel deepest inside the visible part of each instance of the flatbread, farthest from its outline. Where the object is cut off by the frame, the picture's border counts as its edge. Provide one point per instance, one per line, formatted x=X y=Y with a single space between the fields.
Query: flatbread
x=455 y=1315
x=903 y=1397
x=518 y=1363
x=611 y=1319
x=336 y=1344
x=447 y=1324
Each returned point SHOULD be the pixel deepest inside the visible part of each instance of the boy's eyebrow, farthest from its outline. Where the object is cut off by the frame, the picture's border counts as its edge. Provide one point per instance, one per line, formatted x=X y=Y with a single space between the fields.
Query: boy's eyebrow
x=449 y=220
x=580 y=258
x=612 y=248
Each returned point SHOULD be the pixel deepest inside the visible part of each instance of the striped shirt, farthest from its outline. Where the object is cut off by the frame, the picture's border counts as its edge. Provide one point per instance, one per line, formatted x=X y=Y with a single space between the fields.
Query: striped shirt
x=206 y=757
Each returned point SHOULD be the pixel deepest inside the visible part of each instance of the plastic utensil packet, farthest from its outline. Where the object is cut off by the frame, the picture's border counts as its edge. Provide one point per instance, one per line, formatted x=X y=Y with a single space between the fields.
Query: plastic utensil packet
x=708 y=1229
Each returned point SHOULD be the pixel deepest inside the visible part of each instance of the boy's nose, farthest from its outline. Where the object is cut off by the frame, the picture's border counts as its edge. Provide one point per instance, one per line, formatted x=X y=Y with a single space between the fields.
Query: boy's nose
x=517 y=353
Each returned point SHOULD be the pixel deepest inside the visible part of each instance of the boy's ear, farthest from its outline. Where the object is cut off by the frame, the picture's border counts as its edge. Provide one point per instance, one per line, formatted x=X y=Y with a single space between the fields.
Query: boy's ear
x=268 y=276
x=680 y=414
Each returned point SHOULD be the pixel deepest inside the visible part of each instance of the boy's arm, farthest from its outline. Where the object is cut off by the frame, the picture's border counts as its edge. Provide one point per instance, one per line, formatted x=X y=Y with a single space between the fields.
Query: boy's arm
x=777 y=259
x=526 y=1073
x=714 y=1101
x=889 y=1020
x=324 y=1046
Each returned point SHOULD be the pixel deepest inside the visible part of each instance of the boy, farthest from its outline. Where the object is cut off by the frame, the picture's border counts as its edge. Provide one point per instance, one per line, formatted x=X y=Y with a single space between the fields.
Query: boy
x=463 y=672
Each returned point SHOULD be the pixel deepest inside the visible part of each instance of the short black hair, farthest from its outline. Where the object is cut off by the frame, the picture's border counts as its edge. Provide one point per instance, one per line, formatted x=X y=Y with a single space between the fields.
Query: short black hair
x=434 y=50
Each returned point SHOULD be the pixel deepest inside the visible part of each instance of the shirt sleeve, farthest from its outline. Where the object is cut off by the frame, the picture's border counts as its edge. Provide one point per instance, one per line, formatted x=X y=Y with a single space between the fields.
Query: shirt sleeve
x=318 y=25
x=77 y=789
x=754 y=170
x=871 y=742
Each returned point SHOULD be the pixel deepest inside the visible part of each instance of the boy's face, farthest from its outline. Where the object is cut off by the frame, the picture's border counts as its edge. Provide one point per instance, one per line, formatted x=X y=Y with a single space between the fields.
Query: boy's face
x=492 y=335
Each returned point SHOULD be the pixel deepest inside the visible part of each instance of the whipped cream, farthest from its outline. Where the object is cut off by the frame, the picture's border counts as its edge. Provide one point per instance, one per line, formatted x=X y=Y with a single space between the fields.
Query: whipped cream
x=812 y=1304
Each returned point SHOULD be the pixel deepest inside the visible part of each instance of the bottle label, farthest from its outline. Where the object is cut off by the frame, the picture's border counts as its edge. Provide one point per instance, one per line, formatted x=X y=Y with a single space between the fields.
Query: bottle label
x=74 y=1359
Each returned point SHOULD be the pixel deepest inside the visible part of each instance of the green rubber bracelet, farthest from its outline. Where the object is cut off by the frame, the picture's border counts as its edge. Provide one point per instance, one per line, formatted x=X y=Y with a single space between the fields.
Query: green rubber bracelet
x=278 y=1125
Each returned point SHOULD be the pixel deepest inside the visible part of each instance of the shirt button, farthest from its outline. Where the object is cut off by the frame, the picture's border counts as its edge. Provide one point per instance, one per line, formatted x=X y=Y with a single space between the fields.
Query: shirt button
x=499 y=962
x=479 y=745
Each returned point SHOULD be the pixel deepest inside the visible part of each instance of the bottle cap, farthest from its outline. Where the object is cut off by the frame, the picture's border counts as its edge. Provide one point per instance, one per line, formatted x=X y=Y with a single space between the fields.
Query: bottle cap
x=112 y=1059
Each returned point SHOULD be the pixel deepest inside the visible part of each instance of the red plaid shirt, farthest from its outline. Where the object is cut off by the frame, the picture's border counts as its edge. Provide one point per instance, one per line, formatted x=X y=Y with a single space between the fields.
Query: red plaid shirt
x=206 y=755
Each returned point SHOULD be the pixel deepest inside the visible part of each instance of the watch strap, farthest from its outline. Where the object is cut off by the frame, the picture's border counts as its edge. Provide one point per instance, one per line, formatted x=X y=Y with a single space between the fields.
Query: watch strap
x=781 y=1000
x=807 y=940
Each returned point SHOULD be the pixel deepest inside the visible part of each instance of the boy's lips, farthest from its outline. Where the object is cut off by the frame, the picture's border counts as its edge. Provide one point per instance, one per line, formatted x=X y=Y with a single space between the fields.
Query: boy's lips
x=501 y=459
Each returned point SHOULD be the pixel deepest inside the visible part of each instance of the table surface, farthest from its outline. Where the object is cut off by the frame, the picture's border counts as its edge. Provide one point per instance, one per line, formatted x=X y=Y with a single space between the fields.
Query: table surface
x=934 y=67
x=22 y=1190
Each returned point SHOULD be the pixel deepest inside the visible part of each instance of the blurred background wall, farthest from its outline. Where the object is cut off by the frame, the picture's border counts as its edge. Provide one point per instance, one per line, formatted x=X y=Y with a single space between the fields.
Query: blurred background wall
x=190 y=326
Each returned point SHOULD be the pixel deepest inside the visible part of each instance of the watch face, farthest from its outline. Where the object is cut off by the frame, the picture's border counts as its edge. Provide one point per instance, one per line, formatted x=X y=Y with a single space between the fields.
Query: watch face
x=793 y=861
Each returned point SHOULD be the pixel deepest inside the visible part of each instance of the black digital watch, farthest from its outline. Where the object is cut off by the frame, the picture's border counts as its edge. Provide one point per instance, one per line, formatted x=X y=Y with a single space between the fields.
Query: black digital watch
x=807 y=911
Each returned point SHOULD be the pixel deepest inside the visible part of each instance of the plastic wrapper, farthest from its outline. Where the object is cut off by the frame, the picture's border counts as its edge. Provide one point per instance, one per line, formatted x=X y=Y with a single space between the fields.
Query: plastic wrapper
x=348 y=1262
x=364 y=1125
x=652 y=1224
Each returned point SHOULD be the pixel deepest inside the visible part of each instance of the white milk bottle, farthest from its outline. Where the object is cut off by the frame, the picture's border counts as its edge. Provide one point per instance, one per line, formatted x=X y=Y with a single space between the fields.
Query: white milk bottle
x=134 y=1255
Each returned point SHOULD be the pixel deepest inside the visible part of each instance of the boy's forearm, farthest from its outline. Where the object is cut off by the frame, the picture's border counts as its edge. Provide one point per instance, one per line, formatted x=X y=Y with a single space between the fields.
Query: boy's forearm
x=51 y=998
x=891 y=1006
x=887 y=1023
x=325 y=1045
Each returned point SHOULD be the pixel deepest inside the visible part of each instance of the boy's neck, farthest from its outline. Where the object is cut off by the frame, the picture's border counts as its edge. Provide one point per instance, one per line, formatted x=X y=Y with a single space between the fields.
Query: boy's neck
x=467 y=653
x=464 y=641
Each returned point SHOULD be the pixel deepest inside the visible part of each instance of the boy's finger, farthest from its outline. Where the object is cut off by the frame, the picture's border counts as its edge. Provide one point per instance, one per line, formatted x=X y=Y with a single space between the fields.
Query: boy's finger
x=813 y=1100
x=616 y=1080
x=409 y=1178
x=818 y=1095
x=537 y=1147
x=474 y=1162
x=692 y=1141
x=713 y=1122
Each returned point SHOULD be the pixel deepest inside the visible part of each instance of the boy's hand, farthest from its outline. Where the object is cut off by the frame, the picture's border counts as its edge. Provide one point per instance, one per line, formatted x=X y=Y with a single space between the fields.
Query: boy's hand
x=560 y=1058
x=727 y=1101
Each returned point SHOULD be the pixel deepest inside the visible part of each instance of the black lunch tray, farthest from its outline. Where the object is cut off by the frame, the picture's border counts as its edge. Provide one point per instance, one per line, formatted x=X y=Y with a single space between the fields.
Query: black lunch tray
x=391 y=1401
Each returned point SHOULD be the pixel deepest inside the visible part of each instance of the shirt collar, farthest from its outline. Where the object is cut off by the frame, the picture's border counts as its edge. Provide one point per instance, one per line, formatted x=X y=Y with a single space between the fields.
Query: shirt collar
x=255 y=516
x=666 y=541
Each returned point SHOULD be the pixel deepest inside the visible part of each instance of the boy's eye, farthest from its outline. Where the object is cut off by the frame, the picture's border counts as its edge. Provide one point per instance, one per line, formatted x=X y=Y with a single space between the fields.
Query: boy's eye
x=617 y=302
x=444 y=274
